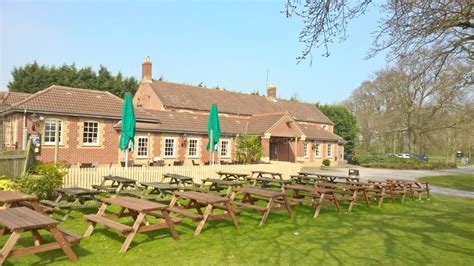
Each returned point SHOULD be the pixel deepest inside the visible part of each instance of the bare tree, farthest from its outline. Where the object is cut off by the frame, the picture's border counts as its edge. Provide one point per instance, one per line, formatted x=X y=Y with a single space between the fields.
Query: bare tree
x=446 y=26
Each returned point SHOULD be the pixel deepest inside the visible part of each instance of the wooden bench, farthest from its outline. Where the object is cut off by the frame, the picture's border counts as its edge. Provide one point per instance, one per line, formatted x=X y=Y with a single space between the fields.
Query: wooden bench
x=108 y=189
x=248 y=205
x=137 y=193
x=44 y=209
x=70 y=237
x=96 y=219
x=192 y=215
x=175 y=220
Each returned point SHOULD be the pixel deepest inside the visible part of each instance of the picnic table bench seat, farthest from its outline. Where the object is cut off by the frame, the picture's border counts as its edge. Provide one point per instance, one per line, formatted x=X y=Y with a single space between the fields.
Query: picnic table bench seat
x=108 y=189
x=44 y=209
x=249 y=206
x=70 y=237
x=137 y=193
x=97 y=219
x=175 y=220
x=186 y=213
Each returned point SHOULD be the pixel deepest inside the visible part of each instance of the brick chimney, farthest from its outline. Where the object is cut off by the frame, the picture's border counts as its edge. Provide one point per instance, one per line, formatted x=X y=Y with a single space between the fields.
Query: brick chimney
x=146 y=70
x=272 y=92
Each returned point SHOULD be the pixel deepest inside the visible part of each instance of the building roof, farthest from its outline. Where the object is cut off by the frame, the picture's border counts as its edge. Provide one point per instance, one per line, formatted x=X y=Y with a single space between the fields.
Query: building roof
x=315 y=132
x=73 y=101
x=9 y=98
x=174 y=95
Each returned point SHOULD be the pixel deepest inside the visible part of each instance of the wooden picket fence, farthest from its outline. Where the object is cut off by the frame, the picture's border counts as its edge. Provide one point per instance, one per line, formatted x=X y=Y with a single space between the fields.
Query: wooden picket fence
x=86 y=177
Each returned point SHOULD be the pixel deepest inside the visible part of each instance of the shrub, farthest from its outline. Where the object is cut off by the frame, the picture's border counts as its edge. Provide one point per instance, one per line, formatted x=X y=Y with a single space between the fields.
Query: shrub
x=397 y=163
x=41 y=180
x=326 y=162
x=249 y=149
x=5 y=184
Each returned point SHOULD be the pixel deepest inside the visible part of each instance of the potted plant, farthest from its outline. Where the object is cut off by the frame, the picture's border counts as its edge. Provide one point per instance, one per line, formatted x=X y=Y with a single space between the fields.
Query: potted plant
x=326 y=164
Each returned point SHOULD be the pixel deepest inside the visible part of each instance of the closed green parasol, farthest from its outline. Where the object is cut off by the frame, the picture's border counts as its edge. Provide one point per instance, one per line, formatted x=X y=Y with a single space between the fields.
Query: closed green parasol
x=213 y=130
x=128 y=126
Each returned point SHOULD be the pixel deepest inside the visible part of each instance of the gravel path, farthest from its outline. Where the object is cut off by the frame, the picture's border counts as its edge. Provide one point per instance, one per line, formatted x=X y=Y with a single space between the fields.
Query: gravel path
x=381 y=174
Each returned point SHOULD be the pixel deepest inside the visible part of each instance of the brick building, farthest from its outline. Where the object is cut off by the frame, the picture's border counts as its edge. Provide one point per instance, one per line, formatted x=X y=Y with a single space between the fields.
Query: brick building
x=171 y=124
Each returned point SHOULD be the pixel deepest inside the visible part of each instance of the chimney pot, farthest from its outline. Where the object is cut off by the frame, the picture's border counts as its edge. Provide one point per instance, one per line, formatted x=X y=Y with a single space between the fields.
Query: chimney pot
x=271 y=92
x=146 y=70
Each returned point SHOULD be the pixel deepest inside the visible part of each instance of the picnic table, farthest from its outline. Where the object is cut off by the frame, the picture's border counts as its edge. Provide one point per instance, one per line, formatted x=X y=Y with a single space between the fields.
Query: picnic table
x=219 y=184
x=275 y=201
x=264 y=174
x=73 y=198
x=159 y=188
x=330 y=177
x=355 y=190
x=9 y=199
x=117 y=183
x=315 y=193
x=22 y=219
x=138 y=209
x=306 y=179
x=180 y=180
x=195 y=199
x=232 y=176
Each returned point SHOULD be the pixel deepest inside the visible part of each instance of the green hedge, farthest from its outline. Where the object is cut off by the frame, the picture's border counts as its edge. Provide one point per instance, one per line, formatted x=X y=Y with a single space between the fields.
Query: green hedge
x=392 y=162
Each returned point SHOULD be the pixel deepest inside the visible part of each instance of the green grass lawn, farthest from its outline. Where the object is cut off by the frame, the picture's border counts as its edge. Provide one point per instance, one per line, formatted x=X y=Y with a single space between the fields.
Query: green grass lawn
x=465 y=182
x=438 y=231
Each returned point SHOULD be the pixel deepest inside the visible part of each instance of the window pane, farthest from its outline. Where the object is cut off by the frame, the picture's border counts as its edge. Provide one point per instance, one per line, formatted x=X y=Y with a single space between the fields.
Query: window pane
x=91 y=133
x=169 y=147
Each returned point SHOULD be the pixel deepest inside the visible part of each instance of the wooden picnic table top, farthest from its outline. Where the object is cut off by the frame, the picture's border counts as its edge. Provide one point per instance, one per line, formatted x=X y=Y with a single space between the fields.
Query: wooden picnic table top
x=272 y=180
x=266 y=172
x=176 y=176
x=120 y=179
x=24 y=218
x=309 y=188
x=15 y=196
x=222 y=182
x=201 y=197
x=307 y=177
x=231 y=173
x=337 y=177
x=77 y=191
x=260 y=192
x=159 y=185
x=135 y=204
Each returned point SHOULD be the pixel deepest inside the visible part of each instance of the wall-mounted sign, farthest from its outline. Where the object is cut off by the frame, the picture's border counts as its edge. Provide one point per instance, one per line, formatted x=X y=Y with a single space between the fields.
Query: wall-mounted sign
x=35 y=138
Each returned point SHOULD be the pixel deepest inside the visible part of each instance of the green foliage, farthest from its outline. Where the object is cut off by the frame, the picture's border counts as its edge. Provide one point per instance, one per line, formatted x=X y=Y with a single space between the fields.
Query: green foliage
x=392 y=162
x=34 y=77
x=41 y=180
x=345 y=124
x=5 y=184
x=249 y=149
x=326 y=162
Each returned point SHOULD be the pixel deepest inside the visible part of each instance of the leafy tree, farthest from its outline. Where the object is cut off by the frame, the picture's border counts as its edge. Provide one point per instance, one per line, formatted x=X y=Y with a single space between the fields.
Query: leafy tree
x=406 y=27
x=249 y=149
x=34 y=77
x=345 y=123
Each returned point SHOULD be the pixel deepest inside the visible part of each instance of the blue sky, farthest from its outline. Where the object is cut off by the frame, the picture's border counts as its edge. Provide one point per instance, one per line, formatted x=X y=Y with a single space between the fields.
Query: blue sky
x=220 y=43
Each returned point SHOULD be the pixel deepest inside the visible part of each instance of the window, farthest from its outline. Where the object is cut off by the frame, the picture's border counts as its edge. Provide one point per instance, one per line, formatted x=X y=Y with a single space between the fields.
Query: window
x=50 y=132
x=142 y=147
x=192 y=148
x=317 y=152
x=324 y=127
x=90 y=136
x=169 y=148
x=306 y=155
x=225 y=152
x=329 y=150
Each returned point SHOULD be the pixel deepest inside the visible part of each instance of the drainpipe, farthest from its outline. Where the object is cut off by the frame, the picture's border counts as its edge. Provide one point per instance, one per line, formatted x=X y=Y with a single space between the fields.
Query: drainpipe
x=25 y=129
x=296 y=149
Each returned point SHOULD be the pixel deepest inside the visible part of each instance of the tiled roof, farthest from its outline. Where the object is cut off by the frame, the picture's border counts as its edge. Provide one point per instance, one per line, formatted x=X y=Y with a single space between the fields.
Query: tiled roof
x=317 y=133
x=190 y=123
x=259 y=124
x=9 y=98
x=196 y=98
x=74 y=101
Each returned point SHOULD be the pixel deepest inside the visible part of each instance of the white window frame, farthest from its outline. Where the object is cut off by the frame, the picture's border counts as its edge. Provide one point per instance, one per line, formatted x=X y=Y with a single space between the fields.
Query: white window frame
x=61 y=126
x=189 y=146
x=317 y=148
x=330 y=152
x=306 y=149
x=84 y=131
x=146 y=146
x=174 y=148
x=228 y=154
